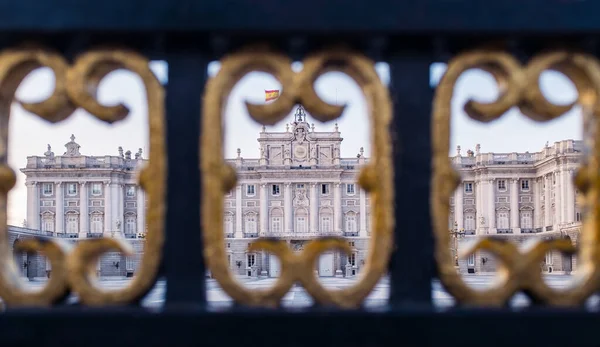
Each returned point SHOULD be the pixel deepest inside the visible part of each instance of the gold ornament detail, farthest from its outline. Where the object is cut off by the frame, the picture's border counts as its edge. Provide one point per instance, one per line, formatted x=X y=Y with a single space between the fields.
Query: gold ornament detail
x=519 y=268
x=75 y=87
x=219 y=177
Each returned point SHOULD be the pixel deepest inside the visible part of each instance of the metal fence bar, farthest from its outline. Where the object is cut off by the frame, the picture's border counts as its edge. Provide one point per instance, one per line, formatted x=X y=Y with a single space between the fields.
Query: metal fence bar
x=412 y=266
x=184 y=261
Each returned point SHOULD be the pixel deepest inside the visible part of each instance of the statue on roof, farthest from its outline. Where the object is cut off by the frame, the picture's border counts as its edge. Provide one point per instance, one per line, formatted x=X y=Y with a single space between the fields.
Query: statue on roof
x=49 y=152
x=300 y=115
x=72 y=147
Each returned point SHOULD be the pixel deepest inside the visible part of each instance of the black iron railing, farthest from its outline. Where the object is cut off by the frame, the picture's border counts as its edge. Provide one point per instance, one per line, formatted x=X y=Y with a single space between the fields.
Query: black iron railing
x=409 y=36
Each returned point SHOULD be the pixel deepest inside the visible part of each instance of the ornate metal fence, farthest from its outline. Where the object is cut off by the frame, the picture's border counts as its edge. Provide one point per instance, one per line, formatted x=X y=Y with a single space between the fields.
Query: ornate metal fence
x=513 y=40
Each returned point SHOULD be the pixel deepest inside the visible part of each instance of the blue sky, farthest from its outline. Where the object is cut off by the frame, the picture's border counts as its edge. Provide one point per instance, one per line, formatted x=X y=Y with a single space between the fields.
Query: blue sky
x=29 y=135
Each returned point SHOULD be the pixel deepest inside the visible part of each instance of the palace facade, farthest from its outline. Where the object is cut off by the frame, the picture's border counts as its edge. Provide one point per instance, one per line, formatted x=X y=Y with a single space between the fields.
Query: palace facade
x=301 y=188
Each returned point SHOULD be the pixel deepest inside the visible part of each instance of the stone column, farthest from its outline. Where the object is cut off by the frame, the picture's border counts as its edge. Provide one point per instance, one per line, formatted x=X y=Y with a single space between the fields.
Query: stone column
x=514 y=205
x=570 y=197
x=547 y=201
x=479 y=205
x=120 y=206
x=264 y=209
x=458 y=206
x=141 y=210
x=238 y=212
x=288 y=212
x=337 y=207
x=537 y=195
x=314 y=208
x=363 y=214
x=564 y=183
x=558 y=203
x=33 y=210
x=108 y=205
x=83 y=209
x=491 y=198
x=60 y=208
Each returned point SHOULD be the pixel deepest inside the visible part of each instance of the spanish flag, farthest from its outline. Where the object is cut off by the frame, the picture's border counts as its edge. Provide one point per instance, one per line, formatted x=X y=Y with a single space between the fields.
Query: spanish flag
x=271 y=95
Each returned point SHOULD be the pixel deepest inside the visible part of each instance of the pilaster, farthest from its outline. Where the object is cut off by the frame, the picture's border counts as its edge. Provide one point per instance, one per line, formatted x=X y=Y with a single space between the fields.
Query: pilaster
x=107 y=207
x=363 y=214
x=264 y=209
x=33 y=205
x=60 y=208
x=314 y=208
x=141 y=210
x=337 y=208
x=514 y=206
x=458 y=206
x=83 y=209
x=537 y=196
x=288 y=212
x=238 y=212
x=491 y=206
x=547 y=201
x=570 y=197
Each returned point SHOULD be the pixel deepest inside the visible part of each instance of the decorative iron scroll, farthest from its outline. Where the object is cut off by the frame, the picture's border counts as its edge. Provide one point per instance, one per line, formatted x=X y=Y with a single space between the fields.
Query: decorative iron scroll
x=75 y=86
x=219 y=177
x=519 y=269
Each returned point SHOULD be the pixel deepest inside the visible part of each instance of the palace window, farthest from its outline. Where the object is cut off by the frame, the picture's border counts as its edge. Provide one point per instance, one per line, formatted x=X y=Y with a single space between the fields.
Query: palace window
x=299 y=186
x=275 y=190
x=96 y=188
x=72 y=188
x=48 y=188
x=351 y=222
x=300 y=224
x=526 y=220
x=130 y=224
x=471 y=260
x=352 y=259
x=470 y=221
x=524 y=185
x=228 y=224
x=502 y=185
x=130 y=191
x=250 y=190
x=48 y=222
x=502 y=220
x=326 y=224
x=72 y=223
x=276 y=224
x=469 y=187
x=251 y=224
x=251 y=260
x=350 y=189
x=96 y=223
x=549 y=258
x=325 y=189
x=578 y=216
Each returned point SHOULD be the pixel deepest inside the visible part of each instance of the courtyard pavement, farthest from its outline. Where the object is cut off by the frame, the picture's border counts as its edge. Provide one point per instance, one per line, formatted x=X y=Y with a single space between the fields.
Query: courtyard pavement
x=298 y=297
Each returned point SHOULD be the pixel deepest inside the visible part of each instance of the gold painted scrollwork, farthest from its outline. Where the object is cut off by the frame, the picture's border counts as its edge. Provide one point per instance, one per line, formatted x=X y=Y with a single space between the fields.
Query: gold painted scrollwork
x=519 y=269
x=219 y=177
x=71 y=265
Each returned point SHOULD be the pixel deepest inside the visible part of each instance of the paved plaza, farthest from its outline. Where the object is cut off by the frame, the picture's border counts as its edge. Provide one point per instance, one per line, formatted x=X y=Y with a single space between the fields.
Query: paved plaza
x=297 y=297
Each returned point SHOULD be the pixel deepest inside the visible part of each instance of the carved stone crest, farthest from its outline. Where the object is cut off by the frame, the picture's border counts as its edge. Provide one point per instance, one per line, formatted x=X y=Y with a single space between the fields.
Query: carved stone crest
x=300 y=197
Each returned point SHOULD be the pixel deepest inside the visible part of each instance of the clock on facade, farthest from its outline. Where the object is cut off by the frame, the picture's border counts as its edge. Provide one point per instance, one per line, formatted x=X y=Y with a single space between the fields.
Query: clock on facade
x=300 y=151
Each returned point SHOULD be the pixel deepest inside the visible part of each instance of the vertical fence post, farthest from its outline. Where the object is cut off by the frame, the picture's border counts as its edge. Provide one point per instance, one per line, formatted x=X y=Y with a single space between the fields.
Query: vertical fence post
x=184 y=262
x=412 y=266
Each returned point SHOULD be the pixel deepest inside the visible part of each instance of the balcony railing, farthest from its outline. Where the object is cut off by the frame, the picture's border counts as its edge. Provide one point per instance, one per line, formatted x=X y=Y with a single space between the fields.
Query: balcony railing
x=409 y=175
x=94 y=235
x=504 y=231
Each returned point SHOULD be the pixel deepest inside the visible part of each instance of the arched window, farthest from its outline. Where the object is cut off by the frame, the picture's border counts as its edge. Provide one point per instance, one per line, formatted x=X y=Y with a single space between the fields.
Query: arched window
x=228 y=223
x=326 y=220
x=351 y=222
x=72 y=223
x=301 y=220
x=251 y=223
x=47 y=222
x=130 y=224
x=526 y=220
x=502 y=220
x=276 y=220
x=96 y=223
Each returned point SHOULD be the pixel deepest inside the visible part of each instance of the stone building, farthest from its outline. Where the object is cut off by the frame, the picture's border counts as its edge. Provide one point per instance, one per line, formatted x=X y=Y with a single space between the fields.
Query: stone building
x=517 y=196
x=74 y=196
x=300 y=188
